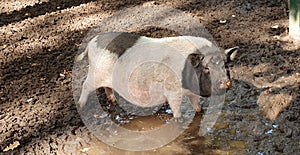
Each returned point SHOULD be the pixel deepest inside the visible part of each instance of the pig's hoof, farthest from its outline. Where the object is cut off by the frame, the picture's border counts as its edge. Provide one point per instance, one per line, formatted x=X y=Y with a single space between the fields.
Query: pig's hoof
x=198 y=109
x=178 y=120
x=178 y=115
x=81 y=105
x=112 y=99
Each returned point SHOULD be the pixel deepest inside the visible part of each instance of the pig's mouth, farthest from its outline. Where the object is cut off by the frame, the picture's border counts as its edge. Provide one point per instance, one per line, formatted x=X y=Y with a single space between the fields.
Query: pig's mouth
x=224 y=85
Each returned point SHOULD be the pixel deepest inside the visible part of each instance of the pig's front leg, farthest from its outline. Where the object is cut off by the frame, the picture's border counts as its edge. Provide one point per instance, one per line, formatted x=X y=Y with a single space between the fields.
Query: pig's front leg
x=87 y=87
x=175 y=103
x=194 y=99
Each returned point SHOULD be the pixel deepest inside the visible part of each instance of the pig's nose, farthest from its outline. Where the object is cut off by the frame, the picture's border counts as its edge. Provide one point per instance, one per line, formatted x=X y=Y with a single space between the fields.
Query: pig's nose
x=227 y=83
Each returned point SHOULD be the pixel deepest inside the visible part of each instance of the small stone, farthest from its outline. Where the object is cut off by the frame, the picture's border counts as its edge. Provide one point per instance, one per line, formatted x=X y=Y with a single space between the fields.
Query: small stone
x=275 y=27
x=276 y=37
x=34 y=64
x=260 y=153
x=29 y=100
x=223 y=21
x=118 y=117
x=275 y=126
x=269 y=131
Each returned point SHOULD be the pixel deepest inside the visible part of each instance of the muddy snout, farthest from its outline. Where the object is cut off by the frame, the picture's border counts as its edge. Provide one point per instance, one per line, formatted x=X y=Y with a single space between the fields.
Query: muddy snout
x=225 y=83
x=220 y=86
x=228 y=83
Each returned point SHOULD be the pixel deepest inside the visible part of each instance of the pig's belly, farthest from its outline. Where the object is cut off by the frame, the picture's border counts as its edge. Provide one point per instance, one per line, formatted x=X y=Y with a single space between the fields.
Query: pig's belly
x=152 y=83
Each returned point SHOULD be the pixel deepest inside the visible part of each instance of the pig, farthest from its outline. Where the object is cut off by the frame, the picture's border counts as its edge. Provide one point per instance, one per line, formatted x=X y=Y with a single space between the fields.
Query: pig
x=104 y=50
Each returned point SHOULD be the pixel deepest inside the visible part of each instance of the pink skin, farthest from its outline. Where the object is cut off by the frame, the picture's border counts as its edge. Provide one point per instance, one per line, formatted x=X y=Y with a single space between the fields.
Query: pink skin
x=100 y=75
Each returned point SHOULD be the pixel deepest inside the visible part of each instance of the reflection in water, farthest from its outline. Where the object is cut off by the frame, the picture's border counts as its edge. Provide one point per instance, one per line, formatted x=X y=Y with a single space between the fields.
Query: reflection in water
x=220 y=141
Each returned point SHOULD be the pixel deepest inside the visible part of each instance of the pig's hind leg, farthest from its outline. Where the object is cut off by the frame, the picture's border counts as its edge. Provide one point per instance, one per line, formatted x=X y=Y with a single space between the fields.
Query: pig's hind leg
x=194 y=100
x=110 y=95
x=87 y=87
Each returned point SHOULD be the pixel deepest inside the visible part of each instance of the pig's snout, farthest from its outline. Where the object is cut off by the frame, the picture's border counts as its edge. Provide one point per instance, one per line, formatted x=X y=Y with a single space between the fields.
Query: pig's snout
x=225 y=83
x=228 y=83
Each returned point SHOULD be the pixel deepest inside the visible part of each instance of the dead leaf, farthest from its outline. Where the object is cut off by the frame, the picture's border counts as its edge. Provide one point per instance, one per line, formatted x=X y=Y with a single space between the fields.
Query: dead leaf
x=34 y=64
x=12 y=146
x=84 y=150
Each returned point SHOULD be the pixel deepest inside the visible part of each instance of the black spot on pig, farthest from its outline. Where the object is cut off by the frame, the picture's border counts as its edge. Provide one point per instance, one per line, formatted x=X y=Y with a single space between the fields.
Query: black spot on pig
x=117 y=42
x=195 y=76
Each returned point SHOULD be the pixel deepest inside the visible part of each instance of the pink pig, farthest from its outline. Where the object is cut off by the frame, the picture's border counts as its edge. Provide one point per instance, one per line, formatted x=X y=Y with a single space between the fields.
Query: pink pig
x=154 y=80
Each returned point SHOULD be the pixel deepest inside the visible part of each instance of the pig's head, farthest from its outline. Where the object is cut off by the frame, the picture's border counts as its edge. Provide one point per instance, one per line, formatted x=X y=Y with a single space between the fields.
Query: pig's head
x=209 y=64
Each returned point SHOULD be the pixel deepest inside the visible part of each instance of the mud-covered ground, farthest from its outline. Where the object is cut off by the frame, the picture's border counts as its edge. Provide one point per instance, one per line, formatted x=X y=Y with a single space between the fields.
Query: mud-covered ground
x=39 y=40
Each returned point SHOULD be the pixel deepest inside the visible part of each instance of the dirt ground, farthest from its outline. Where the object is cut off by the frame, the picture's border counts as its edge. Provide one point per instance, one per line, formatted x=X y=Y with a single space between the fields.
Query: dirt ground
x=39 y=41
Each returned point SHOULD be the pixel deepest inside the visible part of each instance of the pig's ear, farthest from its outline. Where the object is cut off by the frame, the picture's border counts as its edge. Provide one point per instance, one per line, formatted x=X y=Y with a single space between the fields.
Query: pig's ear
x=231 y=53
x=195 y=59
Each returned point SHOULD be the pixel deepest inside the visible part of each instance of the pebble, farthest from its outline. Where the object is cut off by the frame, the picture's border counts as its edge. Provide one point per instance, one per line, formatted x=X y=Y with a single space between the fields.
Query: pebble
x=269 y=131
x=169 y=111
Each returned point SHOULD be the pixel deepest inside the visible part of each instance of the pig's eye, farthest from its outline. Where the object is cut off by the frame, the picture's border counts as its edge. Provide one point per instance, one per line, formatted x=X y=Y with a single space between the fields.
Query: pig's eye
x=217 y=60
x=206 y=70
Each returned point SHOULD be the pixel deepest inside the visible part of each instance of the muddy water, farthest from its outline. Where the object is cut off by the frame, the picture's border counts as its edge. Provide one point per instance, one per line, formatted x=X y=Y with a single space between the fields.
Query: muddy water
x=221 y=139
x=187 y=143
